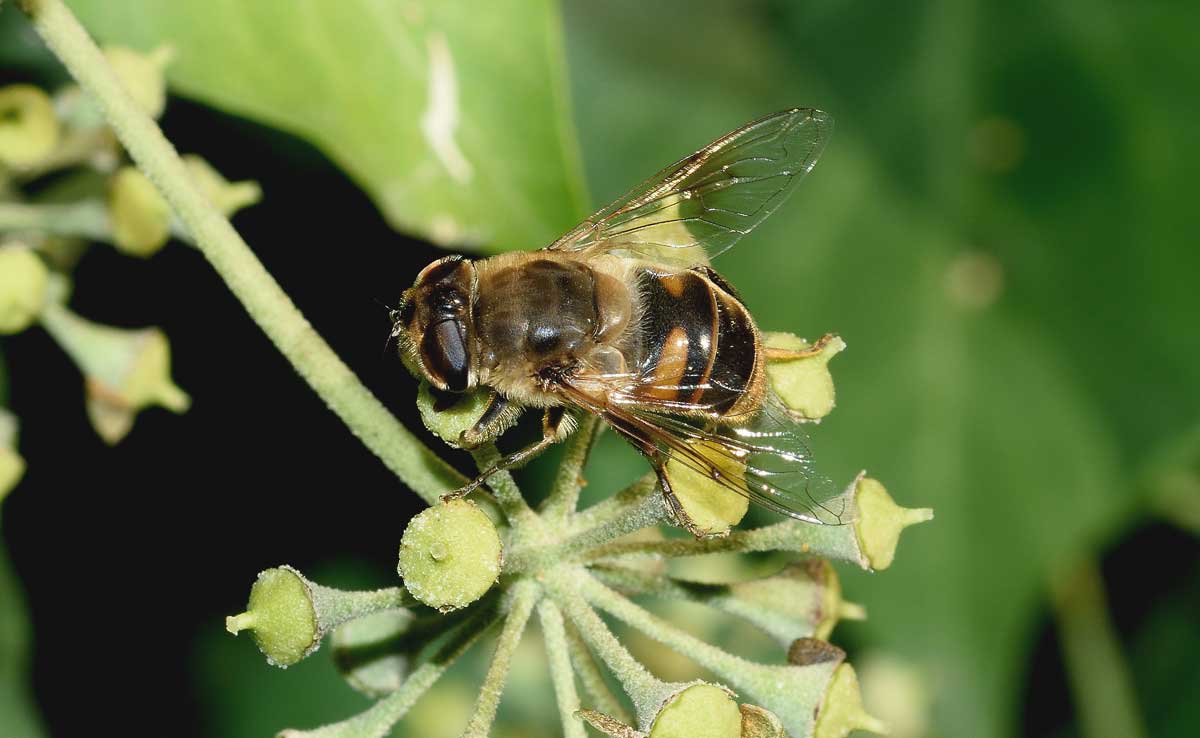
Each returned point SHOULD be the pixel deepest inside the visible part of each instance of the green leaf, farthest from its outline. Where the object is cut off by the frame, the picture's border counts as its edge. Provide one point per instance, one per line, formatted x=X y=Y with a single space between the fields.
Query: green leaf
x=454 y=116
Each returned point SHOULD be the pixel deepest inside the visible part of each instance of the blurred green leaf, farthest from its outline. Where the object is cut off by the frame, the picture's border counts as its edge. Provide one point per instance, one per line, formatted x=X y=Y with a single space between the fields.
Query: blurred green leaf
x=453 y=116
x=17 y=714
x=1014 y=333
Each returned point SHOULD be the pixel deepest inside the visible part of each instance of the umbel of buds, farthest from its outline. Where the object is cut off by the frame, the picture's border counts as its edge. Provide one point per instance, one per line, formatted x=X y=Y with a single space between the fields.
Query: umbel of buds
x=468 y=563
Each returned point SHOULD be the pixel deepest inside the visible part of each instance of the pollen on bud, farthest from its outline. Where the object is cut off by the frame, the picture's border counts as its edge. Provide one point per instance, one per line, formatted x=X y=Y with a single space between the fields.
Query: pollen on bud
x=23 y=285
x=841 y=711
x=799 y=372
x=880 y=521
x=699 y=711
x=125 y=371
x=707 y=507
x=281 y=616
x=29 y=128
x=227 y=197
x=142 y=75
x=140 y=217
x=450 y=555
x=12 y=466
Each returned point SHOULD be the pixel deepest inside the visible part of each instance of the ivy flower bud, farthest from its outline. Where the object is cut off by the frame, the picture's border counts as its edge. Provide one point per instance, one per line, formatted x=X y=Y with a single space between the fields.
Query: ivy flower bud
x=281 y=616
x=841 y=711
x=289 y=615
x=880 y=521
x=125 y=371
x=449 y=416
x=450 y=555
x=142 y=75
x=23 y=285
x=799 y=372
x=704 y=506
x=803 y=600
x=141 y=218
x=696 y=710
x=699 y=711
x=29 y=129
x=227 y=197
x=12 y=466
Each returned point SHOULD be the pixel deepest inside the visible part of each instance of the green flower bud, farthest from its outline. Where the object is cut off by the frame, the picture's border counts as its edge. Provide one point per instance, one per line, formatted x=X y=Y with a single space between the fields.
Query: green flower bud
x=699 y=711
x=705 y=507
x=29 y=129
x=289 y=615
x=23 y=286
x=450 y=555
x=799 y=372
x=841 y=710
x=141 y=218
x=448 y=416
x=802 y=600
x=281 y=615
x=142 y=75
x=124 y=371
x=227 y=197
x=880 y=521
x=760 y=723
x=12 y=466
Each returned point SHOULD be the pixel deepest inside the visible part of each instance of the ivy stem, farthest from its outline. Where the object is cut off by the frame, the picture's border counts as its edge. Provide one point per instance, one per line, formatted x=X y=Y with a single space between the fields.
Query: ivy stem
x=568 y=481
x=593 y=680
x=507 y=494
x=557 y=653
x=377 y=721
x=244 y=275
x=86 y=219
x=613 y=506
x=647 y=691
x=525 y=595
x=793 y=692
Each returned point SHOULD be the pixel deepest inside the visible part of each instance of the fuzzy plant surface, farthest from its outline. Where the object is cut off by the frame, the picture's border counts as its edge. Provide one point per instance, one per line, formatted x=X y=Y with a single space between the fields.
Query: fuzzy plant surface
x=474 y=572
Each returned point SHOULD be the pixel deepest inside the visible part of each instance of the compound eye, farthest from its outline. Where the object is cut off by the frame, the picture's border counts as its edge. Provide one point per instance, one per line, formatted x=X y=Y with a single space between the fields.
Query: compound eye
x=444 y=353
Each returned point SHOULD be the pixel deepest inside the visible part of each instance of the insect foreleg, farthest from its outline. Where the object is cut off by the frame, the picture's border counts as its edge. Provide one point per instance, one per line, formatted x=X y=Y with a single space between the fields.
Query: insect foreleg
x=556 y=425
x=499 y=416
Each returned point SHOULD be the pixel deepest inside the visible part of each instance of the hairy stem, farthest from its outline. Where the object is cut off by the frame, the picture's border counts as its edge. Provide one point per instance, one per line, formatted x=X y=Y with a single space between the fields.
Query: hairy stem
x=614 y=506
x=84 y=219
x=593 y=680
x=647 y=691
x=564 y=493
x=243 y=273
x=505 y=490
x=557 y=652
x=524 y=596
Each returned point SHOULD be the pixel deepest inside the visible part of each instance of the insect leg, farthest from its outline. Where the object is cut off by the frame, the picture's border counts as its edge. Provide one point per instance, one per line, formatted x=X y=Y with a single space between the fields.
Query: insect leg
x=556 y=425
x=778 y=354
x=497 y=418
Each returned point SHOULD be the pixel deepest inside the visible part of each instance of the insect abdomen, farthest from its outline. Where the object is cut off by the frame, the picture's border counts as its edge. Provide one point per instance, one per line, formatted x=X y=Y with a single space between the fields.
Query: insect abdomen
x=699 y=345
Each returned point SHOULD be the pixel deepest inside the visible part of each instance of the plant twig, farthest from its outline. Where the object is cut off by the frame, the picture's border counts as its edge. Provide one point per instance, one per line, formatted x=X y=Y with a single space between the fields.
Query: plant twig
x=564 y=493
x=524 y=596
x=557 y=652
x=268 y=305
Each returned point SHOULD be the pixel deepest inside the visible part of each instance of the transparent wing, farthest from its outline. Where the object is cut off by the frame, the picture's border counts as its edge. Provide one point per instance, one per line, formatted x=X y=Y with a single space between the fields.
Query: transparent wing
x=764 y=457
x=701 y=205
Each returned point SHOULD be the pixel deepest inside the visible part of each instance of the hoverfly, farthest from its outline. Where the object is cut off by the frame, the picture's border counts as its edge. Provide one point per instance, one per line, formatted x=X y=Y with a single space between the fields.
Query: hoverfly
x=623 y=318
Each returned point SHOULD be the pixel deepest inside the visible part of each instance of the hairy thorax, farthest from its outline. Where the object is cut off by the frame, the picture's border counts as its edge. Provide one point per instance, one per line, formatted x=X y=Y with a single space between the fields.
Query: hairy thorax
x=541 y=314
